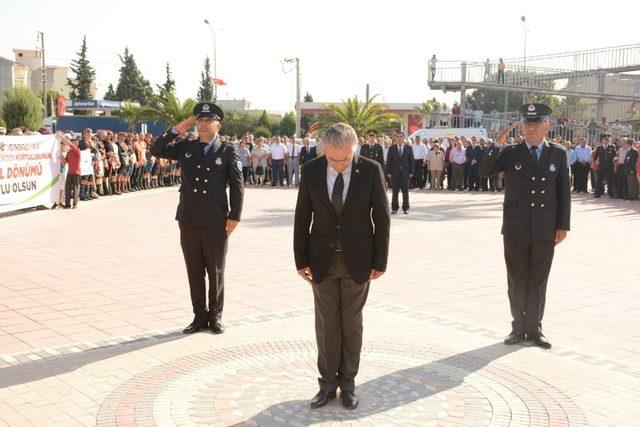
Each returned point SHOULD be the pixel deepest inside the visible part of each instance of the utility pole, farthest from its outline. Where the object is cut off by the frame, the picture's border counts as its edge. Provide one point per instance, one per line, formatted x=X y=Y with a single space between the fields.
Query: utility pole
x=215 y=62
x=298 y=103
x=44 y=73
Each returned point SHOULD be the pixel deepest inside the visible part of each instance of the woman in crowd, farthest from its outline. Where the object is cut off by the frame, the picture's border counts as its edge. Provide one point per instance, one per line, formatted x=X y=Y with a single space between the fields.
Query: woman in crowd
x=435 y=162
x=259 y=157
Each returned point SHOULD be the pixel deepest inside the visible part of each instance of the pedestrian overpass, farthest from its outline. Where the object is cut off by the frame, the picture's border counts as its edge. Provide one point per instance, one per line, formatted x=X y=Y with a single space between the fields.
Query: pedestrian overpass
x=606 y=74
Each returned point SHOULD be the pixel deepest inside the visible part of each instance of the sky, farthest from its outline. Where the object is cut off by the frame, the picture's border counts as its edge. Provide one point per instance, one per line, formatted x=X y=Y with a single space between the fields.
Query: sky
x=342 y=45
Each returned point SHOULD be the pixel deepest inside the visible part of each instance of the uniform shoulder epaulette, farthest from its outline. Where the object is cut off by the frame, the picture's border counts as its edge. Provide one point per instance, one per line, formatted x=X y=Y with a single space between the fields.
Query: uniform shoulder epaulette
x=555 y=144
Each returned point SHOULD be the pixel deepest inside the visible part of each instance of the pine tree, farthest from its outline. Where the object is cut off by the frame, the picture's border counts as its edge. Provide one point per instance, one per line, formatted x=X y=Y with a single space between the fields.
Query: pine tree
x=169 y=85
x=132 y=86
x=110 y=94
x=85 y=74
x=263 y=121
x=205 y=93
x=307 y=97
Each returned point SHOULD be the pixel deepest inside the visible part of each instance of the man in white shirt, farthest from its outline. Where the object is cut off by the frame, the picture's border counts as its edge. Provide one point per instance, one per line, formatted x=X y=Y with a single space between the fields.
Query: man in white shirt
x=293 y=161
x=583 y=165
x=277 y=153
x=419 y=157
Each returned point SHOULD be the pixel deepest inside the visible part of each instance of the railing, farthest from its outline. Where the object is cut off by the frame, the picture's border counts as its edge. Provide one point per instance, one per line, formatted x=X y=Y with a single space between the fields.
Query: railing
x=494 y=125
x=534 y=78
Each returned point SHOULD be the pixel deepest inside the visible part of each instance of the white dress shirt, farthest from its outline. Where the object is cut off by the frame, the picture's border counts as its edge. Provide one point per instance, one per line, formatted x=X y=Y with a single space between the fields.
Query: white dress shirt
x=278 y=151
x=419 y=151
x=293 y=150
x=332 y=175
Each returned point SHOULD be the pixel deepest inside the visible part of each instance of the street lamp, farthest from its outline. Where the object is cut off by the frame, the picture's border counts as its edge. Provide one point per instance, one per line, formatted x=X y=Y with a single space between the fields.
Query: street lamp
x=524 y=62
x=215 y=64
x=298 y=105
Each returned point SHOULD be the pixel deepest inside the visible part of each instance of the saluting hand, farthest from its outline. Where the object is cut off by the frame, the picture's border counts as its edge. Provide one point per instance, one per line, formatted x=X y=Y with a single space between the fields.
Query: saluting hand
x=184 y=125
x=502 y=137
x=231 y=225
x=305 y=273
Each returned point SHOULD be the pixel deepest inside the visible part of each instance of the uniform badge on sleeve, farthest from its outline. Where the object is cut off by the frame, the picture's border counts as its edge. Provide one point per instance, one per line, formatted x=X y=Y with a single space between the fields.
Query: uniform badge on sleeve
x=188 y=154
x=518 y=166
x=239 y=165
x=552 y=167
x=218 y=161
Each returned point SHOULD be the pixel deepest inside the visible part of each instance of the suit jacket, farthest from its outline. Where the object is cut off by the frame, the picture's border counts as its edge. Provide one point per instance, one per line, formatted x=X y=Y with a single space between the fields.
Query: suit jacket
x=373 y=152
x=399 y=167
x=203 y=191
x=631 y=162
x=474 y=153
x=307 y=154
x=605 y=157
x=537 y=200
x=363 y=226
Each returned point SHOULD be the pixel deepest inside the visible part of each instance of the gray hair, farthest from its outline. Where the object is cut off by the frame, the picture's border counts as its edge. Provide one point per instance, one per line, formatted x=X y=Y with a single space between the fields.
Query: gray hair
x=340 y=135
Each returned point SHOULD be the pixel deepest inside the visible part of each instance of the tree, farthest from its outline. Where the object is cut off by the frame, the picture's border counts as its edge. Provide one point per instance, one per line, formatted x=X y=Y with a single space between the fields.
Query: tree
x=132 y=86
x=425 y=110
x=22 y=107
x=361 y=116
x=134 y=114
x=307 y=97
x=262 y=131
x=263 y=121
x=486 y=100
x=110 y=94
x=85 y=74
x=169 y=85
x=205 y=93
x=287 y=125
x=170 y=111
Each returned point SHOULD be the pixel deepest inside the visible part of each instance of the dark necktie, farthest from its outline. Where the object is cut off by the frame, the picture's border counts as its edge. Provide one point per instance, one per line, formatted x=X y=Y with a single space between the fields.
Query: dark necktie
x=534 y=154
x=336 y=194
x=400 y=150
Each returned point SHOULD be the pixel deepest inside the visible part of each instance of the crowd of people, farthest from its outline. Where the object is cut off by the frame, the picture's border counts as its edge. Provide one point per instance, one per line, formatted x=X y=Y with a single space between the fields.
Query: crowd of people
x=121 y=163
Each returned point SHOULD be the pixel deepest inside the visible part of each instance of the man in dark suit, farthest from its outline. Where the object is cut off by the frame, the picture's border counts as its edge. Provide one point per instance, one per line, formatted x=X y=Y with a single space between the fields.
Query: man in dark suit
x=400 y=168
x=474 y=153
x=605 y=155
x=536 y=217
x=208 y=166
x=630 y=169
x=307 y=152
x=371 y=150
x=341 y=243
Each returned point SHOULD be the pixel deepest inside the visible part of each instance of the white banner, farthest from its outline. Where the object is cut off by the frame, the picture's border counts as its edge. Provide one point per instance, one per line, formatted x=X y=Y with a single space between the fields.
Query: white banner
x=29 y=171
x=86 y=167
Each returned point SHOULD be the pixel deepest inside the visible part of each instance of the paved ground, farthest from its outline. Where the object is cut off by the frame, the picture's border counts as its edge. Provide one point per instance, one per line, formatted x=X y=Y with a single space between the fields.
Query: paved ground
x=92 y=302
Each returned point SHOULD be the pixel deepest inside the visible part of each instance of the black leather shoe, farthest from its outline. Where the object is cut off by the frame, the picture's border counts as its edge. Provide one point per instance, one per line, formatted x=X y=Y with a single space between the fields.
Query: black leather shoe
x=394 y=212
x=199 y=323
x=514 y=337
x=540 y=341
x=406 y=212
x=322 y=398
x=349 y=400
x=216 y=326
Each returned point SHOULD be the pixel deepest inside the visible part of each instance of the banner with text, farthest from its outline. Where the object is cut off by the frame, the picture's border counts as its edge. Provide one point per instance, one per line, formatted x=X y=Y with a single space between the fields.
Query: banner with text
x=29 y=171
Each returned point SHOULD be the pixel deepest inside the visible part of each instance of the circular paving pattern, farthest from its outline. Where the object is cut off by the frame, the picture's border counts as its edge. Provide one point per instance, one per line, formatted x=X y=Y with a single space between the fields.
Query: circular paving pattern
x=270 y=384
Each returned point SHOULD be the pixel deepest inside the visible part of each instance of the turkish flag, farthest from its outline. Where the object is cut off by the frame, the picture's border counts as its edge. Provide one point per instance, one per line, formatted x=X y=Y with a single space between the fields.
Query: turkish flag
x=218 y=82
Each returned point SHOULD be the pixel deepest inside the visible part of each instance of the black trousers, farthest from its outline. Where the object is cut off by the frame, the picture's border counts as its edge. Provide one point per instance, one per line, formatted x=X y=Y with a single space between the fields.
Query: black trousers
x=602 y=177
x=581 y=176
x=71 y=189
x=528 y=267
x=398 y=184
x=632 y=186
x=620 y=182
x=474 y=177
x=205 y=251
x=338 y=304
x=418 y=180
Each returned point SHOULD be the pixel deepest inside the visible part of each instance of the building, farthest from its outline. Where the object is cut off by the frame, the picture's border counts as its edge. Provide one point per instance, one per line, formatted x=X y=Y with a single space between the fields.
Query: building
x=6 y=76
x=409 y=119
x=240 y=105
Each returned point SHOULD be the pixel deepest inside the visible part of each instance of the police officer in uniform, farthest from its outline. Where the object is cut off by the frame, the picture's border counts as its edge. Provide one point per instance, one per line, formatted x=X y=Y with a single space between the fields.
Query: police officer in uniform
x=536 y=216
x=205 y=216
x=371 y=150
x=605 y=155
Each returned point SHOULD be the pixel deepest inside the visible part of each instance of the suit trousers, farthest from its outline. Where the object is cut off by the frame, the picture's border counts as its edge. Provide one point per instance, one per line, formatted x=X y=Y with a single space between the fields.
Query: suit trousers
x=620 y=182
x=581 y=175
x=458 y=176
x=277 y=171
x=632 y=186
x=205 y=251
x=602 y=177
x=418 y=177
x=528 y=267
x=400 y=184
x=338 y=320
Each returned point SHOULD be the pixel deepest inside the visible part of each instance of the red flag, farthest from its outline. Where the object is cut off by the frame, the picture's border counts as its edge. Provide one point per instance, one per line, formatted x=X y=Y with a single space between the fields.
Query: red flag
x=218 y=82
